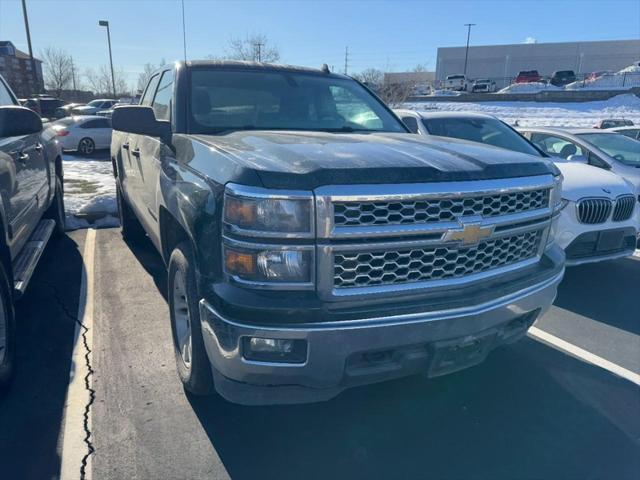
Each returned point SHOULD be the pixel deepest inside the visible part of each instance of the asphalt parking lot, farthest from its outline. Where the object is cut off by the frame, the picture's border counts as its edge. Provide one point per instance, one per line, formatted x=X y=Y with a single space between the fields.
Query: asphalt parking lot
x=529 y=411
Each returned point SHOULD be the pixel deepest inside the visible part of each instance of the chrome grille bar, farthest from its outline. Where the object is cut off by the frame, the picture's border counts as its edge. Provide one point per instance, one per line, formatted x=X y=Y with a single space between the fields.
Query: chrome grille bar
x=594 y=210
x=624 y=208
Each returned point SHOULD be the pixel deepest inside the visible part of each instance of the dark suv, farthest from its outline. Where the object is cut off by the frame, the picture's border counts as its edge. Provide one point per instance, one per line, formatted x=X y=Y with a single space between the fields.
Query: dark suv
x=562 y=78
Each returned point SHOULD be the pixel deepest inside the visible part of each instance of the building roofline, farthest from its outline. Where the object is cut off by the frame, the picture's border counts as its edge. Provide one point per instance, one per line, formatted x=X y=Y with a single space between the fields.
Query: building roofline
x=542 y=43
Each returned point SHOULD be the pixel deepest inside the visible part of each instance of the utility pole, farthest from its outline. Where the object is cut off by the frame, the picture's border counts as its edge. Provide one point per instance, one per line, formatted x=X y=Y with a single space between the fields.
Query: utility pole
x=346 y=59
x=105 y=23
x=258 y=51
x=33 y=62
x=466 y=52
x=73 y=77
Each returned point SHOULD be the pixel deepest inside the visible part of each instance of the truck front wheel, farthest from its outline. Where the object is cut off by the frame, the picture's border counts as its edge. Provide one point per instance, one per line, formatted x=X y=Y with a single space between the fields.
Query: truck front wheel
x=192 y=362
x=7 y=331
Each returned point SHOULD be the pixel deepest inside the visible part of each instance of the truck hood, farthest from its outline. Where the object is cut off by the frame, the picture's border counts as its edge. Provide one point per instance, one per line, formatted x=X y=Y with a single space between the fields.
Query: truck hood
x=582 y=180
x=306 y=160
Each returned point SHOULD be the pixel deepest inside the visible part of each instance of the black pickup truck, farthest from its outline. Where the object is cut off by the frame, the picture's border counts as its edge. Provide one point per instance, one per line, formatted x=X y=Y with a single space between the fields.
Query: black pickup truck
x=31 y=209
x=313 y=244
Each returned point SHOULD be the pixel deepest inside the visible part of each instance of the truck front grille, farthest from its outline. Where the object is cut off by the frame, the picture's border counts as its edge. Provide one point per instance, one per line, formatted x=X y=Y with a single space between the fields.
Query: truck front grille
x=440 y=262
x=624 y=208
x=403 y=212
x=594 y=210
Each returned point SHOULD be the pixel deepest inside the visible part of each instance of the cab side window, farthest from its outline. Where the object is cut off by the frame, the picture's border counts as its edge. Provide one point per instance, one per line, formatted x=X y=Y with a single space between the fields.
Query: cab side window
x=162 y=100
x=147 y=98
x=5 y=97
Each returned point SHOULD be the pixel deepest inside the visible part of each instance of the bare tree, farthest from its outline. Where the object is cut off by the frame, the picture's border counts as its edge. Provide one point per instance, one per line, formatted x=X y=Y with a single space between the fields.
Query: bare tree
x=372 y=77
x=100 y=81
x=395 y=94
x=144 y=77
x=58 y=69
x=254 y=48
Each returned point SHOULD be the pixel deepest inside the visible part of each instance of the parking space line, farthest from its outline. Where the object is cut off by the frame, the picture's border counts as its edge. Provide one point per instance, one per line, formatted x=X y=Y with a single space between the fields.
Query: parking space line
x=73 y=445
x=582 y=354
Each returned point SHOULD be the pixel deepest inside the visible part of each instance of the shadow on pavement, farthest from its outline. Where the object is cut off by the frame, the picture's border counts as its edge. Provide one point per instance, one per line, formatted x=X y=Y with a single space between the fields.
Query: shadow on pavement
x=152 y=262
x=601 y=291
x=528 y=412
x=32 y=409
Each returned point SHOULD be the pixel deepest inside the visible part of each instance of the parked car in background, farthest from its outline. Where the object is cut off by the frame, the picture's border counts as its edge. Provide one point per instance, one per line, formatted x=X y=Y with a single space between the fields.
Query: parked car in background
x=456 y=83
x=67 y=110
x=631 y=132
x=84 y=134
x=600 y=148
x=292 y=274
x=560 y=78
x=46 y=107
x=94 y=106
x=483 y=85
x=599 y=219
x=31 y=210
x=527 y=76
x=613 y=122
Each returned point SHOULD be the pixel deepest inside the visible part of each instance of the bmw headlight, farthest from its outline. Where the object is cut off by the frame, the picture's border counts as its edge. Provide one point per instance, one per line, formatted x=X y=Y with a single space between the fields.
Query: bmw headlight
x=268 y=213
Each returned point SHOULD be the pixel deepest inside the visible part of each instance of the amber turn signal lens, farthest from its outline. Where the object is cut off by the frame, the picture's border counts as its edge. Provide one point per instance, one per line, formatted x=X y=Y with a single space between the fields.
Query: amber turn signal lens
x=239 y=212
x=239 y=262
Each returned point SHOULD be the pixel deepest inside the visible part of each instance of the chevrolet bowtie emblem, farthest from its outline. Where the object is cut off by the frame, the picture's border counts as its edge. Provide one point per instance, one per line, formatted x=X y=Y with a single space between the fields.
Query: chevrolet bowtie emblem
x=471 y=232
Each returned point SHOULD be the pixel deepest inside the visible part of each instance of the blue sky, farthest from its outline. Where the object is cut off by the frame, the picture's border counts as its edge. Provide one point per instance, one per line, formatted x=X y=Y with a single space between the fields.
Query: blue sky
x=390 y=35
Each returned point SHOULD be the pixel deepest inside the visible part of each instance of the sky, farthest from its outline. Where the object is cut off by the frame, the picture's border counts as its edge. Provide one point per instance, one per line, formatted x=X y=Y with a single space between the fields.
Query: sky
x=388 y=35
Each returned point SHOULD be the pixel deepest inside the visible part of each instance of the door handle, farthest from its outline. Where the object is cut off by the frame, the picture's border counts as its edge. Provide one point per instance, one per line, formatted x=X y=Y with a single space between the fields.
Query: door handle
x=23 y=157
x=38 y=147
x=136 y=152
x=125 y=145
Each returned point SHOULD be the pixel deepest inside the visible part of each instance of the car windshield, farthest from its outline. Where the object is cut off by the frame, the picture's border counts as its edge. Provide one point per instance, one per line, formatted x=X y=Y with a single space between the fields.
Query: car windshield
x=223 y=100
x=621 y=148
x=483 y=130
x=94 y=103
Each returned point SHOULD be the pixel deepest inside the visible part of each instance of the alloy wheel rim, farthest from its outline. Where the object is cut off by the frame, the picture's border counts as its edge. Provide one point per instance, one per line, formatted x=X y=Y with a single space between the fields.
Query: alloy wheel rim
x=182 y=319
x=86 y=146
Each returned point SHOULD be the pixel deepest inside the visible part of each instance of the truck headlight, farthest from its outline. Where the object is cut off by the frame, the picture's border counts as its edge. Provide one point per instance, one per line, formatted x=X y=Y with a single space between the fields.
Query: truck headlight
x=265 y=264
x=268 y=213
x=555 y=196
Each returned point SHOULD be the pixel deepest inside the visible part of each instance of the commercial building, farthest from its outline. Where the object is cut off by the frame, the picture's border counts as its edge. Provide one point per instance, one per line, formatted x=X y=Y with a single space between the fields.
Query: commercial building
x=17 y=69
x=503 y=62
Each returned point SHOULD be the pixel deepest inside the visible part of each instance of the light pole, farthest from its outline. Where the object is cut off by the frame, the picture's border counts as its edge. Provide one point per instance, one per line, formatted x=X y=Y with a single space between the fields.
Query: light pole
x=466 y=52
x=104 y=23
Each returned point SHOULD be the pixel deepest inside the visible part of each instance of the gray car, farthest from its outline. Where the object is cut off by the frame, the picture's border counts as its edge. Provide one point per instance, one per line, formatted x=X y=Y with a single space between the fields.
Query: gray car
x=601 y=148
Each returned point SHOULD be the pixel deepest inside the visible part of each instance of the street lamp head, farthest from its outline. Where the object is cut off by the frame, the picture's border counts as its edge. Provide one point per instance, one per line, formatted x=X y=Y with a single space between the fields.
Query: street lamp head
x=103 y=23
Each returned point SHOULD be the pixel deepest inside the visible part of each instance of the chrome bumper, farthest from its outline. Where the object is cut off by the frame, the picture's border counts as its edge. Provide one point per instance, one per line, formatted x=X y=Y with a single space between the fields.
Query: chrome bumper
x=344 y=354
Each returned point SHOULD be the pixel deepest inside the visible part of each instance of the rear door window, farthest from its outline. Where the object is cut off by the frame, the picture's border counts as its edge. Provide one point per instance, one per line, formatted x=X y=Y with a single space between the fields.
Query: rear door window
x=411 y=123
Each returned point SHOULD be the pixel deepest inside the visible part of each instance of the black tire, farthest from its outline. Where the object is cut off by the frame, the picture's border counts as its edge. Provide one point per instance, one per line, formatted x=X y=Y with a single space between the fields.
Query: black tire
x=196 y=373
x=86 y=146
x=56 y=209
x=8 y=330
x=130 y=227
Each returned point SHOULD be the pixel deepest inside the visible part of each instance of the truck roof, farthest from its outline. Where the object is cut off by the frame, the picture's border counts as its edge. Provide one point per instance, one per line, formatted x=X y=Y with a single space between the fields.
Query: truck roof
x=256 y=66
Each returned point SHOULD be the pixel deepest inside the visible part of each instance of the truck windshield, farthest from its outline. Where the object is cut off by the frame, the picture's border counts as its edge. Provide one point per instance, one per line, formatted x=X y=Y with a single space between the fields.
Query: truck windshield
x=223 y=100
x=482 y=130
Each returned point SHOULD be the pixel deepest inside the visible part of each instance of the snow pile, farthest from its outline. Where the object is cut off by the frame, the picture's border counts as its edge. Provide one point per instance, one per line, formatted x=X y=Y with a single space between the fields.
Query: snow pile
x=625 y=79
x=531 y=87
x=89 y=193
x=444 y=93
x=558 y=114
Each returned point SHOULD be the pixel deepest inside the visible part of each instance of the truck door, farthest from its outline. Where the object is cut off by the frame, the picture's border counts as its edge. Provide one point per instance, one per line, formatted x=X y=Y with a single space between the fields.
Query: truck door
x=130 y=177
x=151 y=152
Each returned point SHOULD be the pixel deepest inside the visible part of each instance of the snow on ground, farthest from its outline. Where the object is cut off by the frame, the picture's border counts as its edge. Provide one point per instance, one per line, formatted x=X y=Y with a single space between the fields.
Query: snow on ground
x=89 y=192
x=531 y=114
x=531 y=87
x=445 y=93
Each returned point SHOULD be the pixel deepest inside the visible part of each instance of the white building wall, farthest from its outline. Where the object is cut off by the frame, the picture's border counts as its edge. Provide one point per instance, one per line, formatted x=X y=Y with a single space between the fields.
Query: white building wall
x=504 y=61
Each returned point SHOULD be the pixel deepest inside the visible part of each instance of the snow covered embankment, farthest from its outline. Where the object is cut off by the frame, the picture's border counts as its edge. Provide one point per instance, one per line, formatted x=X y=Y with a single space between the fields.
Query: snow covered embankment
x=537 y=114
x=89 y=193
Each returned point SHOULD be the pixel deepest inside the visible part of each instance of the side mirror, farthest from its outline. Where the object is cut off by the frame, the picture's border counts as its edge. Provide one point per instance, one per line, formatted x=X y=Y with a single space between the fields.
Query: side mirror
x=18 y=121
x=577 y=158
x=140 y=120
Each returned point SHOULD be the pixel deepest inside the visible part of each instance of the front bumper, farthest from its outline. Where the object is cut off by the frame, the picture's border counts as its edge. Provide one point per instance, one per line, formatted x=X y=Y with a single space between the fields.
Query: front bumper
x=357 y=352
